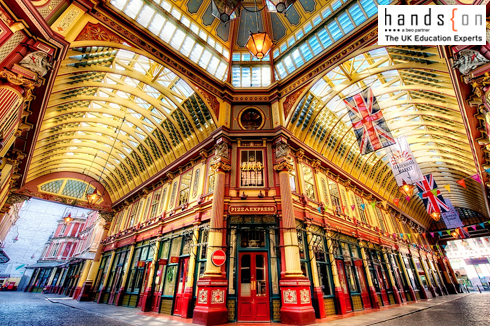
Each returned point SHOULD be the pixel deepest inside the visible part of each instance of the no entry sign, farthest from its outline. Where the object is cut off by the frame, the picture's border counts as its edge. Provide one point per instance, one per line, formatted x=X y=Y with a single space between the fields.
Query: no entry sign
x=218 y=257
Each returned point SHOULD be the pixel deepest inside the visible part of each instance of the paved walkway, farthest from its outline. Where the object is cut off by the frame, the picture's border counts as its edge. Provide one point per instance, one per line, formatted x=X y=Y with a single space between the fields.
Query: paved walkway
x=19 y=308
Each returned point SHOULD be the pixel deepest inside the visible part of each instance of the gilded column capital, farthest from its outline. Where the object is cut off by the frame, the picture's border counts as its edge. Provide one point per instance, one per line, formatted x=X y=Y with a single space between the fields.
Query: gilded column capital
x=107 y=216
x=283 y=166
x=221 y=166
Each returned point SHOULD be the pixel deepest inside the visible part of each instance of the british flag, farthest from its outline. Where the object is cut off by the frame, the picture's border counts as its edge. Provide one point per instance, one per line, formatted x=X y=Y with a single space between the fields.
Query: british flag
x=433 y=202
x=369 y=125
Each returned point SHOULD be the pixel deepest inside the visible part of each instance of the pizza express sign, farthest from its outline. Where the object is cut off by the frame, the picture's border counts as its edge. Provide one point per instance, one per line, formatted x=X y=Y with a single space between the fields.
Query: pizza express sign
x=252 y=210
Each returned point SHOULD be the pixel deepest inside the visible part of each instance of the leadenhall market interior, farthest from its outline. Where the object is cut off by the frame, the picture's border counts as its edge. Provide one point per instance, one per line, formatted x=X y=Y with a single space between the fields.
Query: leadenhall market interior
x=253 y=160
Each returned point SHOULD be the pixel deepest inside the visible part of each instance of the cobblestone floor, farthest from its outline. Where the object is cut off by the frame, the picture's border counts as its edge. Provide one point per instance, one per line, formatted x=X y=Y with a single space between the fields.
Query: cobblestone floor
x=19 y=308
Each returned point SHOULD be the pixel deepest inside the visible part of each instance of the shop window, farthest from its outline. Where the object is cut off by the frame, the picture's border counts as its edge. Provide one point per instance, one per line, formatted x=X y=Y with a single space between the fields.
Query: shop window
x=161 y=270
x=309 y=180
x=362 y=212
x=185 y=185
x=202 y=252
x=252 y=169
x=155 y=202
x=186 y=250
x=322 y=260
x=231 y=265
x=170 y=280
x=253 y=238
x=334 y=195
x=381 y=221
x=349 y=268
x=274 y=261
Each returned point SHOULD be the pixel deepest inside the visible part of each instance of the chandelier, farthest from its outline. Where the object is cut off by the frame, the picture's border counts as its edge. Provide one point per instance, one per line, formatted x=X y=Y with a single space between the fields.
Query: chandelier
x=259 y=43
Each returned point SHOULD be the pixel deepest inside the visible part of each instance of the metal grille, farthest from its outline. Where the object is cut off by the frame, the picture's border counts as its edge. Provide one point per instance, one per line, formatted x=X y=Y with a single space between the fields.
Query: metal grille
x=357 y=302
x=53 y=186
x=329 y=305
x=231 y=305
x=74 y=188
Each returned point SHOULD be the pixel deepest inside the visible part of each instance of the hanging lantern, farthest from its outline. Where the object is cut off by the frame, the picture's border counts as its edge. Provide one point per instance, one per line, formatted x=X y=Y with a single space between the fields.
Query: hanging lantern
x=225 y=10
x=259 y=44
x=407 y=189
x=67 y=219
x=93 y=197
x=14 y=240
x=436 y=216
x=281 y=6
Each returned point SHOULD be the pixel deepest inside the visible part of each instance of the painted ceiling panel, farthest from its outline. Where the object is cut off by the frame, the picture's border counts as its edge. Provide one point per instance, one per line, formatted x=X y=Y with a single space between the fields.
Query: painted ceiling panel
x=120 y=116
x=413 y=89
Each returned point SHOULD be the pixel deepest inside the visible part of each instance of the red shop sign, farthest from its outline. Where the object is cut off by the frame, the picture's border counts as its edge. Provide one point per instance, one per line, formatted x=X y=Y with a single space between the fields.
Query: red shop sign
x=218 y=257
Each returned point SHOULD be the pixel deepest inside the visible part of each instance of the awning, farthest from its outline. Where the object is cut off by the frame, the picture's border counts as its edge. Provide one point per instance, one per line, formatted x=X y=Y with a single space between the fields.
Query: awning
x=45 y=265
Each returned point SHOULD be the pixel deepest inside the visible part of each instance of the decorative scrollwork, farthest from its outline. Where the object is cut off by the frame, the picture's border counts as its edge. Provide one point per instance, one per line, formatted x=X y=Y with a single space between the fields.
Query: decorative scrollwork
x=283 y=166
x=221 y=166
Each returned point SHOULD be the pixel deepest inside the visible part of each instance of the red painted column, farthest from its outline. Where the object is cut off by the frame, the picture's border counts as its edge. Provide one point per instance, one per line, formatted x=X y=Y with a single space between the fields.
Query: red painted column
x=296 y=306
x=211 y=307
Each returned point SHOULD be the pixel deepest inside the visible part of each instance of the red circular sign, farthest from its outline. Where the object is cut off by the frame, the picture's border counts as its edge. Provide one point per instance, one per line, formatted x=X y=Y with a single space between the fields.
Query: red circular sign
x=218 y=257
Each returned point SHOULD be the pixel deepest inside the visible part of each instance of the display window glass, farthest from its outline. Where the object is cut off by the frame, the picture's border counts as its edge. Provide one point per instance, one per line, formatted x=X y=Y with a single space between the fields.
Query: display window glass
x=251 y=168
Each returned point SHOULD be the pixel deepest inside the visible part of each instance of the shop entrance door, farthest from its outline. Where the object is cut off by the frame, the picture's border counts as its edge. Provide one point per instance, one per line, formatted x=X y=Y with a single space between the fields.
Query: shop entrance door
x=253 y=287
x=181 y=286
x=343 y=284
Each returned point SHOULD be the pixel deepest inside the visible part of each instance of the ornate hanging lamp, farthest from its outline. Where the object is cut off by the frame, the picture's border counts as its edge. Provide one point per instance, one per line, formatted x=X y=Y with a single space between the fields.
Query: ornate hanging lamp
x=407 y=189
x=435 y=215
x=259 y=43
x=225 y=10
x=281 y=6
x=67 y=219
x=93 y=197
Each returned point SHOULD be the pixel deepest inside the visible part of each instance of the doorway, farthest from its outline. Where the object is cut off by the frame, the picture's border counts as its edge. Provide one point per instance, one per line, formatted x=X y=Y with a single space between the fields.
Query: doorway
x=179 y=295
x=253 y=287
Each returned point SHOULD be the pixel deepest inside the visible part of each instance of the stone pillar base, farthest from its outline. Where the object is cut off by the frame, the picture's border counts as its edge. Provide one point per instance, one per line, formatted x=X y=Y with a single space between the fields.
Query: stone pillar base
x=432 y=290
x=186 y=304
x=318 y=302
x=412 y=293
x=396 y=294
x=101 y=294
x=211 y=301
x=46 y=289
x=85 y=291
x=146 y=300
x=374 y=297
x=76 y=293
x=451 y=288
x=119 y=297
x=340 y=301
x=296 y=308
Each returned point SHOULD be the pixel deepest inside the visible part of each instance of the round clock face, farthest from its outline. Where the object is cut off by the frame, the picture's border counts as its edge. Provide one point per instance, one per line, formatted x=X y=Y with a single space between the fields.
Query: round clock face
x=251 y=119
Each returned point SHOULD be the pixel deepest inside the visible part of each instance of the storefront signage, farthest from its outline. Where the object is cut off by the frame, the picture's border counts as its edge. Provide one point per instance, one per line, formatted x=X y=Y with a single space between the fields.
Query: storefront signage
x=218 y=257
x=246 y=210
x=141 y=263
x=174 y=260
x=162 y=262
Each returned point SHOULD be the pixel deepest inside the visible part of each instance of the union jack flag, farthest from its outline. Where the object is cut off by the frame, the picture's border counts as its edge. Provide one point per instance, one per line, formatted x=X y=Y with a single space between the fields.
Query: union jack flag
x=433 y=202
x=369 y=125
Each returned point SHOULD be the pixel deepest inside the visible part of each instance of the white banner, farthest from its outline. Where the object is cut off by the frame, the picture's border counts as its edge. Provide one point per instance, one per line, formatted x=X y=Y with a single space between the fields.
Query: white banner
x=403 y=163
x=451 y=218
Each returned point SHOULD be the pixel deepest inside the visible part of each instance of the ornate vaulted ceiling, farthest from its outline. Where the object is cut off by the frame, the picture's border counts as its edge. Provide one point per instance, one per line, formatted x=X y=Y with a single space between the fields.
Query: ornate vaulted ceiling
x=107 y=96
x=416 y=96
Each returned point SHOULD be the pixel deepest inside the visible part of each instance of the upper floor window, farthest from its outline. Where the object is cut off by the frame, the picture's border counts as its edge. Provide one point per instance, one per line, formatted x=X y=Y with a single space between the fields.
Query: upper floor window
x=211 y=179
x=185 y=186
x=292 y=178
x=334 y=194
x=309 y=180
x=380 y=218
x=252 y=169
x=155 y=202
x=134 y=214
x=362 y=212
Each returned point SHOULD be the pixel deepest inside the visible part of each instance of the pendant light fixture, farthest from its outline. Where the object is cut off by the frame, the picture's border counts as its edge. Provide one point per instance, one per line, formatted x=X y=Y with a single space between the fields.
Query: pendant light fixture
x=435 y=215
x=407 y=189
x=280 y=6
x=94 y=197
x=225 y=10
x=259 y=43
